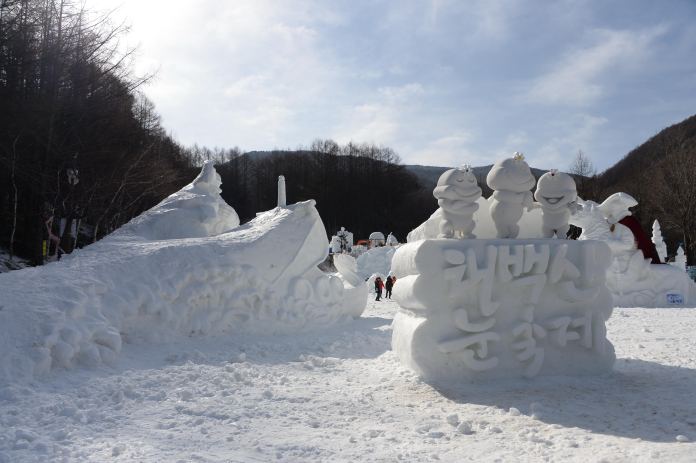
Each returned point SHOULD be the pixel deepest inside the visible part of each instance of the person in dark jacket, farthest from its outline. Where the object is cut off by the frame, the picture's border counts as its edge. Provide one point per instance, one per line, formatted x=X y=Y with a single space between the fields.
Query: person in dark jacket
x=388 y=285
x=379 y=285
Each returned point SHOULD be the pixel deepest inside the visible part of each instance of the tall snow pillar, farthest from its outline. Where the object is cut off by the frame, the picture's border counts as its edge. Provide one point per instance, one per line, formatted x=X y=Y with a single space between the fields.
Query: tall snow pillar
x=659 y=243
x=282 y=199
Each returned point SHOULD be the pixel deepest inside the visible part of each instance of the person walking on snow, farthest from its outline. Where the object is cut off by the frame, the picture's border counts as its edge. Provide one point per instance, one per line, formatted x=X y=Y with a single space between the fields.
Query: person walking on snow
x=388 y=286
x=379 y=285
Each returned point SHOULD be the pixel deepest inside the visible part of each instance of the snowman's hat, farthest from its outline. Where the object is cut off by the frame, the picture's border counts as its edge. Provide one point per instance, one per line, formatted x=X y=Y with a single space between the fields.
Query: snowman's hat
x=615 y=207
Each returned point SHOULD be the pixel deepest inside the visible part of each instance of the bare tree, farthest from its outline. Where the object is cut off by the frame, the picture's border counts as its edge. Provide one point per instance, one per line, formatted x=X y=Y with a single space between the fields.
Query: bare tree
x=674 y=196
x=585 y=174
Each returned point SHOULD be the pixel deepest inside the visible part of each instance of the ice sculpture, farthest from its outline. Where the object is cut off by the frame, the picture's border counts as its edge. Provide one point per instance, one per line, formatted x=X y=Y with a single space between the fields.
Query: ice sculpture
x=511 y=181
x=457 y=192
x=556 y=193
x=182 y=268
x=635 y=277
x=485 y=309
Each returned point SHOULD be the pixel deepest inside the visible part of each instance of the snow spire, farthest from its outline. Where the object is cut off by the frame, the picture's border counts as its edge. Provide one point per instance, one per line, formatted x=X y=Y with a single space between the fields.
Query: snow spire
x=282 y=199
x=657 y=240
x=680 y=259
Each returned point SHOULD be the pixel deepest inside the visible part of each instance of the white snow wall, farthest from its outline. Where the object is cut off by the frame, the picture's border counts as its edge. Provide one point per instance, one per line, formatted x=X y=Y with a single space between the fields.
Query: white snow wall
x=261 y=277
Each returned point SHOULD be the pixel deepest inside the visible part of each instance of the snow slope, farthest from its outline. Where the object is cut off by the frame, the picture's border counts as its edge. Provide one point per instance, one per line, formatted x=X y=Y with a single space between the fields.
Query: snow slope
x=343 y=396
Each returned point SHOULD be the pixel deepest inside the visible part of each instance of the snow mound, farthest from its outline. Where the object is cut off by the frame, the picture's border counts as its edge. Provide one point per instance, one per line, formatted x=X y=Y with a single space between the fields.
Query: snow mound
x=166 y=274
x=195 y=211
x=376 y=260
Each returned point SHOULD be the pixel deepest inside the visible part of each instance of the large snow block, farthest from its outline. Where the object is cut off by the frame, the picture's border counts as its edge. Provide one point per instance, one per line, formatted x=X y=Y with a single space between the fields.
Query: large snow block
x=488 y=309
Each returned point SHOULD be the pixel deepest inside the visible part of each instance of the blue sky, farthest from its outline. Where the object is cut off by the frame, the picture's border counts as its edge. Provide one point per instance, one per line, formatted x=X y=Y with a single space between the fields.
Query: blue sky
x=441 y=82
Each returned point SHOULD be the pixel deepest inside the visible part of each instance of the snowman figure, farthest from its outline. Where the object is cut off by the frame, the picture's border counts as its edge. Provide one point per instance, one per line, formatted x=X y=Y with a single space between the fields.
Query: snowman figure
x=556 y=193
x=456 y=193
x=511 y=181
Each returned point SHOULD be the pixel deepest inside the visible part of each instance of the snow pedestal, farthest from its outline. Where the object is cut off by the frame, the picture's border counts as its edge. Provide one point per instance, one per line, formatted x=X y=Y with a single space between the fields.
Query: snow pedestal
x=487 y=309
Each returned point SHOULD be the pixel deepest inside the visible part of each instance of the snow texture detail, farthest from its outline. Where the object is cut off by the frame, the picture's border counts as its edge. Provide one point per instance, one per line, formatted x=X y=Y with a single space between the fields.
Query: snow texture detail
x=488 y=309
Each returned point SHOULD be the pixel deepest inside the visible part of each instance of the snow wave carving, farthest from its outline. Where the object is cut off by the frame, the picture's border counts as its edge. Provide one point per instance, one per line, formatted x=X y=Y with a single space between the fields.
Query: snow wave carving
x=135 y=286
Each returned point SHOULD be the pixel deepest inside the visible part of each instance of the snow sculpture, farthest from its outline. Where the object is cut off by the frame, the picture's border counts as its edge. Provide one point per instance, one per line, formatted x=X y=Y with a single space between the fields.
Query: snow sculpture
x=556 y=193
x=680 y=260
x=659 y=243
x=195 y=211
x=356 y=291
x=486 y=309
x=376 y=239
x=457 y=192
x=282 y=198
x=342 y=241
x=632 y=278
x=335 y=245
x=376 y=260
x=511 y=179
x=529 y=224
x=391 y=240
x=179 y=269
x=346 y=239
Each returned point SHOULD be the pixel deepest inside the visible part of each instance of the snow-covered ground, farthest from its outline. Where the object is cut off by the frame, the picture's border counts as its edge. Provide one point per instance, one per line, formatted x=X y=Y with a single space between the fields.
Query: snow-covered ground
x=341 y=395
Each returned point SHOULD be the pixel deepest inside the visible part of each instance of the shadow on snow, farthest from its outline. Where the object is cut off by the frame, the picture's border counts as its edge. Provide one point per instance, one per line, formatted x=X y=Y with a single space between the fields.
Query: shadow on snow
x=639 y=400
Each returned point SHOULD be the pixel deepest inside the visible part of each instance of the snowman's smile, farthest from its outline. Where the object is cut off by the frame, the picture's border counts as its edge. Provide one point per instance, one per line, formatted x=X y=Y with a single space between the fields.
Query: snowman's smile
x=553 y=200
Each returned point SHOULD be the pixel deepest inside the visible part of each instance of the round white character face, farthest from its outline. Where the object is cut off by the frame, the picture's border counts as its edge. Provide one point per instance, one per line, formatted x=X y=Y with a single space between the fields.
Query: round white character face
x=511 y=175
x=457 y=184
x=458 y=177
x=555 y=190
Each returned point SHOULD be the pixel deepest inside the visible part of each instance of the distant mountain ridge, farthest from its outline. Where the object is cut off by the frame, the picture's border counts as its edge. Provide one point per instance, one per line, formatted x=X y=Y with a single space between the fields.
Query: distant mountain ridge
x=428 y=175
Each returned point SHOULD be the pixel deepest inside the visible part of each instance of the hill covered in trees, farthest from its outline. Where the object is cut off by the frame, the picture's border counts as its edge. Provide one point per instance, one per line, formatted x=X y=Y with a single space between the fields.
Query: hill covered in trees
x=360 y=186
x=78 y=142
x=82 y=149
x=661 y=175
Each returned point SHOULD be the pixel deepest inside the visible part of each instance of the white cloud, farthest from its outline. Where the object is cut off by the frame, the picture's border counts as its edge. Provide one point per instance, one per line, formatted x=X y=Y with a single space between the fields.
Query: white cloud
x=403 y=93
x=450 y=150
x=576 y=133
x=580 y=77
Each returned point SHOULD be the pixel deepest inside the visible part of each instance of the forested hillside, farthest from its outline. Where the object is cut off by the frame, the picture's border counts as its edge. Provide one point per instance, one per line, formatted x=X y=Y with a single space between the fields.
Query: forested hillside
x=360 y=186
x=78 y=143
x=660 y=174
